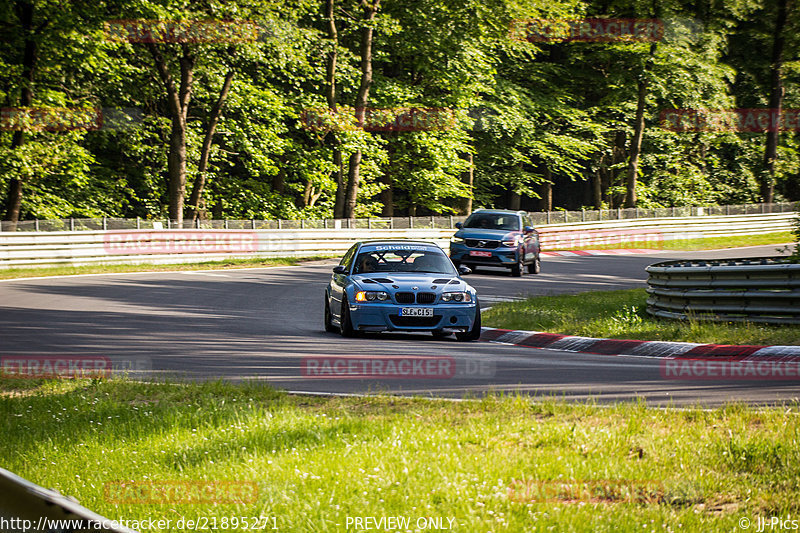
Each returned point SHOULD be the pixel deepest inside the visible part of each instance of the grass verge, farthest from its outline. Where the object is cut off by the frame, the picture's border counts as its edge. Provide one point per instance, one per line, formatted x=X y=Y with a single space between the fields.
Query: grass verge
x=317 y=461
x=13 y=273
x=711 y=243
x=621 y=315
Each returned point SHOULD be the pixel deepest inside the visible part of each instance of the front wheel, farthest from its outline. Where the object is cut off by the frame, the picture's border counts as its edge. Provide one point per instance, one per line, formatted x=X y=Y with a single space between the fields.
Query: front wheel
x=535 y=267
x=474 y=333
x=329 y=327
x=516 y=270
x=346 y=326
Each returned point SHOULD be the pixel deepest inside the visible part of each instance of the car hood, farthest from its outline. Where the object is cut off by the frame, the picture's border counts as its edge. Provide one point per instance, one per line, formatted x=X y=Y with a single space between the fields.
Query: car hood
x=406 y=281
x=486 y=234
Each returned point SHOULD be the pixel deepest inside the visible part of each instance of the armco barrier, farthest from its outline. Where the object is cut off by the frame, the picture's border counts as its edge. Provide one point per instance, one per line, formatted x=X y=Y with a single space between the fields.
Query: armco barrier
x=25 y=506
x=754 y=290
x=161 y=246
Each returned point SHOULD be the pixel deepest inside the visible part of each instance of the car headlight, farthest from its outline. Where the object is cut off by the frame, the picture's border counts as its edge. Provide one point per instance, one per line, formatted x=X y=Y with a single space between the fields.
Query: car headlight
x=464 y=297
x=371 y=296
x=511 y=243
x=456 y=240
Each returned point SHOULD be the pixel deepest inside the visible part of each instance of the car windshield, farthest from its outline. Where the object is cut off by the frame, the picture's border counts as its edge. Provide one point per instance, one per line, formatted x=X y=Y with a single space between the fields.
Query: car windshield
x=403 y=261
x=493 y=221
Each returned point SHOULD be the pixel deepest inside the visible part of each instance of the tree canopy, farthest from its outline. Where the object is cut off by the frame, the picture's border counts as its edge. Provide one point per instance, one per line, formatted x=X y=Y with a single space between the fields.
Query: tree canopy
x=320 y=108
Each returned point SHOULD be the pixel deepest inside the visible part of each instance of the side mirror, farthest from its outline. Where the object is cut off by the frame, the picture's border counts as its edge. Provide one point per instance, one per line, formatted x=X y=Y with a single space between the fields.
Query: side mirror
x=340 y=269
x=528 y=230
x=459 y=225
x=464 y=270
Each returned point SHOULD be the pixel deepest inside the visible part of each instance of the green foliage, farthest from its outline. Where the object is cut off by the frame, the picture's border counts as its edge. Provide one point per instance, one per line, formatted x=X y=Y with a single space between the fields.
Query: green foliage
x=527 y=112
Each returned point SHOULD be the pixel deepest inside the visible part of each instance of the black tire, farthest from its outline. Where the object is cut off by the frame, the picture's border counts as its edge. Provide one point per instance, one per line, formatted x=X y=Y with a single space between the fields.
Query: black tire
x=329 y=327
x=346 y=327
x=516 y=270
x=440 y=334
x=535 y=267
x=475 y=333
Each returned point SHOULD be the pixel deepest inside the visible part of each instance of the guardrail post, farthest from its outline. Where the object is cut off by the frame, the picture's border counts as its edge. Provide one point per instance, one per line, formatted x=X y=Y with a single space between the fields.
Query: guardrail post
x=105 y=226
x=410 y=222
x=391 y=222
x=451 y=222
x=71 y=224
x=619 y=213
x=369 y=222
x=169 y=223
x=252 y=223
x=433 y=224
x=302 y=223
x=548 y=217
x=37 y=224
x=583 y=215
x=279 y=224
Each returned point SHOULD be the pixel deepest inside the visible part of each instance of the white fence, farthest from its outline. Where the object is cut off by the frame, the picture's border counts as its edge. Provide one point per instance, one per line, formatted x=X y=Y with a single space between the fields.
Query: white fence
x=192 y=245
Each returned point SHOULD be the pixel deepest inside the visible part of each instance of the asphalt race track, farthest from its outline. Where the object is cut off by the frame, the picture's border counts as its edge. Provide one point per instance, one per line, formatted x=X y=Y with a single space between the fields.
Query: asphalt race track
x=265 y=324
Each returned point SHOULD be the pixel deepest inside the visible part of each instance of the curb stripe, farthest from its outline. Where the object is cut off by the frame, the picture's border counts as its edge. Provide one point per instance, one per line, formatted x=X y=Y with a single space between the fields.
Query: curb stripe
x=664 y=349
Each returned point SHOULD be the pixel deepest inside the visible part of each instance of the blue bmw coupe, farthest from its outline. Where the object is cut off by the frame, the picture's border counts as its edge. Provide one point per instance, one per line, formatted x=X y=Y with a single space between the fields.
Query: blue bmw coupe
x=400 y=285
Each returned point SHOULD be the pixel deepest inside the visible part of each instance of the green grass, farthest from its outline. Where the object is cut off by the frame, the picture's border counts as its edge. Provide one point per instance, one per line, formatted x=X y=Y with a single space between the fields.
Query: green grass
x=621 y=315
x=710 y=243
x=13 y=273
x=317 y=461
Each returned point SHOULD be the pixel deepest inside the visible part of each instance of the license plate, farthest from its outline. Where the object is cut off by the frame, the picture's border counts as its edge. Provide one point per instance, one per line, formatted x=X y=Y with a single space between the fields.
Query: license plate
x=480 y=253
x=416 y=311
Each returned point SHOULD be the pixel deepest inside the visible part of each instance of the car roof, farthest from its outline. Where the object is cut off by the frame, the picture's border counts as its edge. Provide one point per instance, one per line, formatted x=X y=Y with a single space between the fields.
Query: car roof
x=500 y=211
x=397 y=241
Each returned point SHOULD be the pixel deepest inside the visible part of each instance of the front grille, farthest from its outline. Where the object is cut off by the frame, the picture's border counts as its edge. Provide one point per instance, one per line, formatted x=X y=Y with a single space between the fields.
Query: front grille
x=404 y=297
x=415 y=321
x=426 y=298
x=482 y=243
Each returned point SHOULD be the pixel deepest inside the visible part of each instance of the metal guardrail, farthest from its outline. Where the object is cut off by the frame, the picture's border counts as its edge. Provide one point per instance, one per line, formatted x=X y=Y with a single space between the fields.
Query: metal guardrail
x=194 y=245
x=423 y=222
x=765 y=290
x=25 y=507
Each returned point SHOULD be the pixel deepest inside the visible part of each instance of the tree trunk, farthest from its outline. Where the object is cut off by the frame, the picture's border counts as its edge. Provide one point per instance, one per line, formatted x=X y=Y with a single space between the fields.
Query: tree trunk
x=387 y=196
x=597 y=186
x=362 y=99
x=178 y=104
x=638 y=132
x=29 y=59
x=330 y=79
x=200 y=180
x=353 y=179
x=469 y=179
x=775 y=105
x=546 y=203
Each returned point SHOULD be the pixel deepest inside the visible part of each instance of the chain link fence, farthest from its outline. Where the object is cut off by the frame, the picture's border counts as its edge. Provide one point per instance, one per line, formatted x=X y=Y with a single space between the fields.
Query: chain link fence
x=425 y=222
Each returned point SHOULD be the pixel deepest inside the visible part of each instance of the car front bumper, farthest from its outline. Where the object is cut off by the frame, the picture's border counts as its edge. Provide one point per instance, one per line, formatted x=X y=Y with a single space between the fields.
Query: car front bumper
x=501 y=256
x=386 y=317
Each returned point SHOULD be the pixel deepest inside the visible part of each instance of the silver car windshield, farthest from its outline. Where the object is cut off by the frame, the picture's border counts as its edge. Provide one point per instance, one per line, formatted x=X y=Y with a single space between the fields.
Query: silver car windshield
x=493 y=221
x=403 y=261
